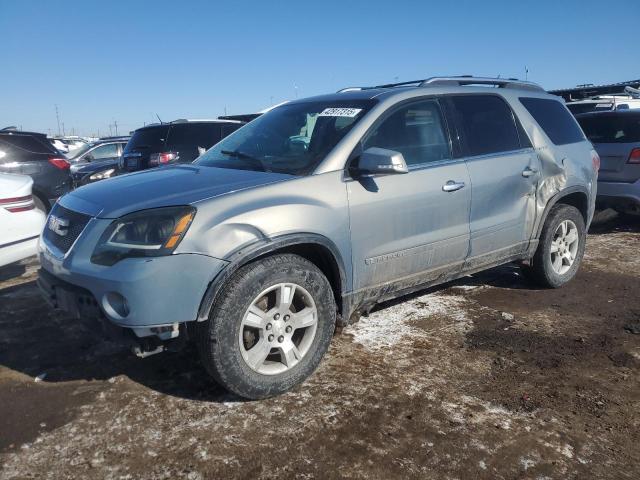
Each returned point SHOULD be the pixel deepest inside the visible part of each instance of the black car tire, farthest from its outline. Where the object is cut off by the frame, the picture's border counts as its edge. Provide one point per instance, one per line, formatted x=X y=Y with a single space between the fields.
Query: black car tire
x=217 y=338
x=540 y=269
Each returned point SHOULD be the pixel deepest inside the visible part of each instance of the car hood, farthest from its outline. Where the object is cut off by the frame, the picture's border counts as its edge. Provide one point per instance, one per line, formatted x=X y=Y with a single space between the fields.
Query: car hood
x=162 y=187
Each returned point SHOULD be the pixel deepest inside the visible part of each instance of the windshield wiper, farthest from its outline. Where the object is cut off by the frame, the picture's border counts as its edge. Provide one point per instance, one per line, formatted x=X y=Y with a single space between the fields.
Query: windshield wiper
x=246 y=156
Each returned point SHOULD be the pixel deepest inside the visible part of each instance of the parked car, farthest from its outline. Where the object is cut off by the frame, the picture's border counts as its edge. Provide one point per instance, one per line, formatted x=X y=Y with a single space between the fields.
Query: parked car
x=180 y=141
x=59 y=145
x=20 y=222
x=96 y=161
x=316 y=211
x=604 y=104
x=616 y=138
x=32 y=154
x=73 y=143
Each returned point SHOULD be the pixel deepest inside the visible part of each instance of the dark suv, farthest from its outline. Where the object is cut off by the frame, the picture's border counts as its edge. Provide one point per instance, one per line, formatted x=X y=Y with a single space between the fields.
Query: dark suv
x=97 y=160
x=180 y=141
x=33 y=154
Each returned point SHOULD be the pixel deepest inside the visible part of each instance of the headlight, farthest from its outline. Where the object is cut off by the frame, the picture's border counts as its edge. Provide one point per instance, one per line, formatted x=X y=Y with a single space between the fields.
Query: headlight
x=147 y=233
x=102 y=175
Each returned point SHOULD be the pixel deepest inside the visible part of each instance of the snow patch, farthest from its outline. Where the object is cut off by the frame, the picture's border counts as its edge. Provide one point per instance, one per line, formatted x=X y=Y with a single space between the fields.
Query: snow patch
x=390 y=326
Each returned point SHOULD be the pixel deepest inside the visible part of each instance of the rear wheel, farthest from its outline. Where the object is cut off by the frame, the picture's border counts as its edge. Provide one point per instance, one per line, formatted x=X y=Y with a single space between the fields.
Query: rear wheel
x=269 y=329
x=561 y=248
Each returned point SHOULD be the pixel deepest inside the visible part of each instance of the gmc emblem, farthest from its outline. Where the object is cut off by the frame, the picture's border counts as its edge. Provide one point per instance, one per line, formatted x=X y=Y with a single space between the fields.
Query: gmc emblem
x=58 y=225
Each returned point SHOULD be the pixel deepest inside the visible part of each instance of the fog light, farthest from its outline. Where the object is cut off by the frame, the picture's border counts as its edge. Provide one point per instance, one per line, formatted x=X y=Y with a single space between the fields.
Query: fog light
x=115 y=305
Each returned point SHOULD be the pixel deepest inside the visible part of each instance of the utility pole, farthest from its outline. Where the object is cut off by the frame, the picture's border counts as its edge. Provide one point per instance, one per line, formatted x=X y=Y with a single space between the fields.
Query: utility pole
x=110 y=131
x=63 y=132
x=58 y=119
x=115 y=124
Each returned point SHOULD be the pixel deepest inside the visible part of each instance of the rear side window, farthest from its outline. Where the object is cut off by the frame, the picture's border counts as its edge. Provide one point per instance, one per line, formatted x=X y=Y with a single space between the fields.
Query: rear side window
x=487 y=124
x=415 y=130
x=150 y=140
x=554 y=119
x=30 y=143
x=624 y=128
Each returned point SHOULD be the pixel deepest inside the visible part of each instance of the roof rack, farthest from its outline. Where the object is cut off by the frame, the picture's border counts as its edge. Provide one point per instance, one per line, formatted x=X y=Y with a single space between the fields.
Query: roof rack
x=458 y=81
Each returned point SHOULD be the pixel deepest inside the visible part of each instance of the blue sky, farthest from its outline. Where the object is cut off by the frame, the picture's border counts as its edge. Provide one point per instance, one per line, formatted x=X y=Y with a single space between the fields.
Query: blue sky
x=126 y=61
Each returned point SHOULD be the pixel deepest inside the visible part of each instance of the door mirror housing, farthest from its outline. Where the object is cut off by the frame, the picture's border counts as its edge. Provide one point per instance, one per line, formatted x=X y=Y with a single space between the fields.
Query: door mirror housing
x=380 y=161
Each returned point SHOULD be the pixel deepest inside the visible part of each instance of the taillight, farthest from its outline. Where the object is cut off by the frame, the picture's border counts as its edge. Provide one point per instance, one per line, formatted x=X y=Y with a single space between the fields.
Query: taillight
x=18 y=204
x=595 y=160
x=60 y=163
x=634 y=156
x=161 y=158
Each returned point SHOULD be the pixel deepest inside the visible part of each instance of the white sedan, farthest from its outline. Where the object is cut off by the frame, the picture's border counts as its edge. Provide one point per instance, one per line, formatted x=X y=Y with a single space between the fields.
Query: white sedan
x=20 y=222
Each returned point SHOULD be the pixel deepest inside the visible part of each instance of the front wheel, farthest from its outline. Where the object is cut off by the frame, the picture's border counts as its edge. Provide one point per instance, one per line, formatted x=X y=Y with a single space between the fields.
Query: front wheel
x=561 y=247
x=269 y=329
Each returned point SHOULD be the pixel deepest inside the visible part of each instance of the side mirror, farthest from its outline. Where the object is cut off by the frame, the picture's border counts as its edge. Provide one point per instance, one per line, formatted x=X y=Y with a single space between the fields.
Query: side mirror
x=380 y=161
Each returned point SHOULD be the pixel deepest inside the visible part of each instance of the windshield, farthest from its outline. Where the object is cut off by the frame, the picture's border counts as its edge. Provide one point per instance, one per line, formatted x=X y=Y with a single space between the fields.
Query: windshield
x=292 y=139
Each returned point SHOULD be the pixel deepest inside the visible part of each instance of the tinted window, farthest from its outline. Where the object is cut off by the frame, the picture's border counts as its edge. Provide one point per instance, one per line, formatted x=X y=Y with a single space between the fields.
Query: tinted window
x=30 y=143
x=487 y=124
x=151 y=139
x=624 y=128
x=292 y=138
x=416 y=131
x=104 y=151
x=193 y=135
x=228 y=128
x=554 y=119
x=9 y=153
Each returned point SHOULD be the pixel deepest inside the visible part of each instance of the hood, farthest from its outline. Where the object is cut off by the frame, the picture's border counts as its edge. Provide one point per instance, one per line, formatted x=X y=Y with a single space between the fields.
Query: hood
x=162 y=187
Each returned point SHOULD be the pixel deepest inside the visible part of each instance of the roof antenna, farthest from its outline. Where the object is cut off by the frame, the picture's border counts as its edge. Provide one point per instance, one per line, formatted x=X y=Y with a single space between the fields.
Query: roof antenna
x=161 y=122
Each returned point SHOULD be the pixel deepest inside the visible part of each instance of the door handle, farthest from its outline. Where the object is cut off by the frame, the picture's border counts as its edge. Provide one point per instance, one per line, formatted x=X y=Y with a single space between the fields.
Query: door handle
x=452 y=186
x=529 y=172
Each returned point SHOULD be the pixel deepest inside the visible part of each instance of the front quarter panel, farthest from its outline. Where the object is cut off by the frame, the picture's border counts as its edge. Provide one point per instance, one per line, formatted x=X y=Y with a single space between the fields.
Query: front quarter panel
x=227 y=226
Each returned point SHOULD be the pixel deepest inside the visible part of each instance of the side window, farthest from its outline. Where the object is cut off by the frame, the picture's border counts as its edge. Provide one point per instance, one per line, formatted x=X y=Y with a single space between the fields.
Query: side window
x=487 y=124
x=104 y=151
x=554 y=118
x=415 y=130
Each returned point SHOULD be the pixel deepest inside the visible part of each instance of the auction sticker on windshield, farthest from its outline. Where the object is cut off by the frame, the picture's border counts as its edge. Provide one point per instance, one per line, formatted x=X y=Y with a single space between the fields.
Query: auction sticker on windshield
x=340 y=112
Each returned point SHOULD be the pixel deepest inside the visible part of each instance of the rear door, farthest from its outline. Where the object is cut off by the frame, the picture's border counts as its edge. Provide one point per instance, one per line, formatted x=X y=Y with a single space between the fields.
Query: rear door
x=406 y=229
x=504 y=172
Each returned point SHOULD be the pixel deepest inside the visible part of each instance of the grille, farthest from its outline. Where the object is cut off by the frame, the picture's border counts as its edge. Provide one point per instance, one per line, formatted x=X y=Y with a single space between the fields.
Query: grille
x=77 y=222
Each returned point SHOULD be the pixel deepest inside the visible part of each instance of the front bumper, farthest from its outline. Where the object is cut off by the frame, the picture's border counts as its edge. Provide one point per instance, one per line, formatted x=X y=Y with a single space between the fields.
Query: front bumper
x=619 y=195
x=135 y=293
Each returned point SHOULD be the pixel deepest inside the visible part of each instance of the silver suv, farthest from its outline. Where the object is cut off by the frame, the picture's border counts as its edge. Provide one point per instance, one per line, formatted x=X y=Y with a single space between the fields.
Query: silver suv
x=316 y=211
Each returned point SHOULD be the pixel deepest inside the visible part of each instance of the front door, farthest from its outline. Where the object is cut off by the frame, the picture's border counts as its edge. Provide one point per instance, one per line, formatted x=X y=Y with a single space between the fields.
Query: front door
x=407 y=229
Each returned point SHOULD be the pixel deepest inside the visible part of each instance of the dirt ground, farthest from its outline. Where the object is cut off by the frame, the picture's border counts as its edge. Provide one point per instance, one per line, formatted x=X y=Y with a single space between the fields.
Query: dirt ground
x=484 y=378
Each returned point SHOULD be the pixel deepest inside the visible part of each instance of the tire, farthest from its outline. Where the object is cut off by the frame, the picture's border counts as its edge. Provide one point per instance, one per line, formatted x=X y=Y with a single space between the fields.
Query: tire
x=223 y=339
x=40 y=204
x=541 y=269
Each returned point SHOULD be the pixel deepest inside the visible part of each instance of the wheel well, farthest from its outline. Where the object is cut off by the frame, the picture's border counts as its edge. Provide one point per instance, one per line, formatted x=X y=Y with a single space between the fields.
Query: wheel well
x=578 y=200
x=43 y=199
x=322 y=258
